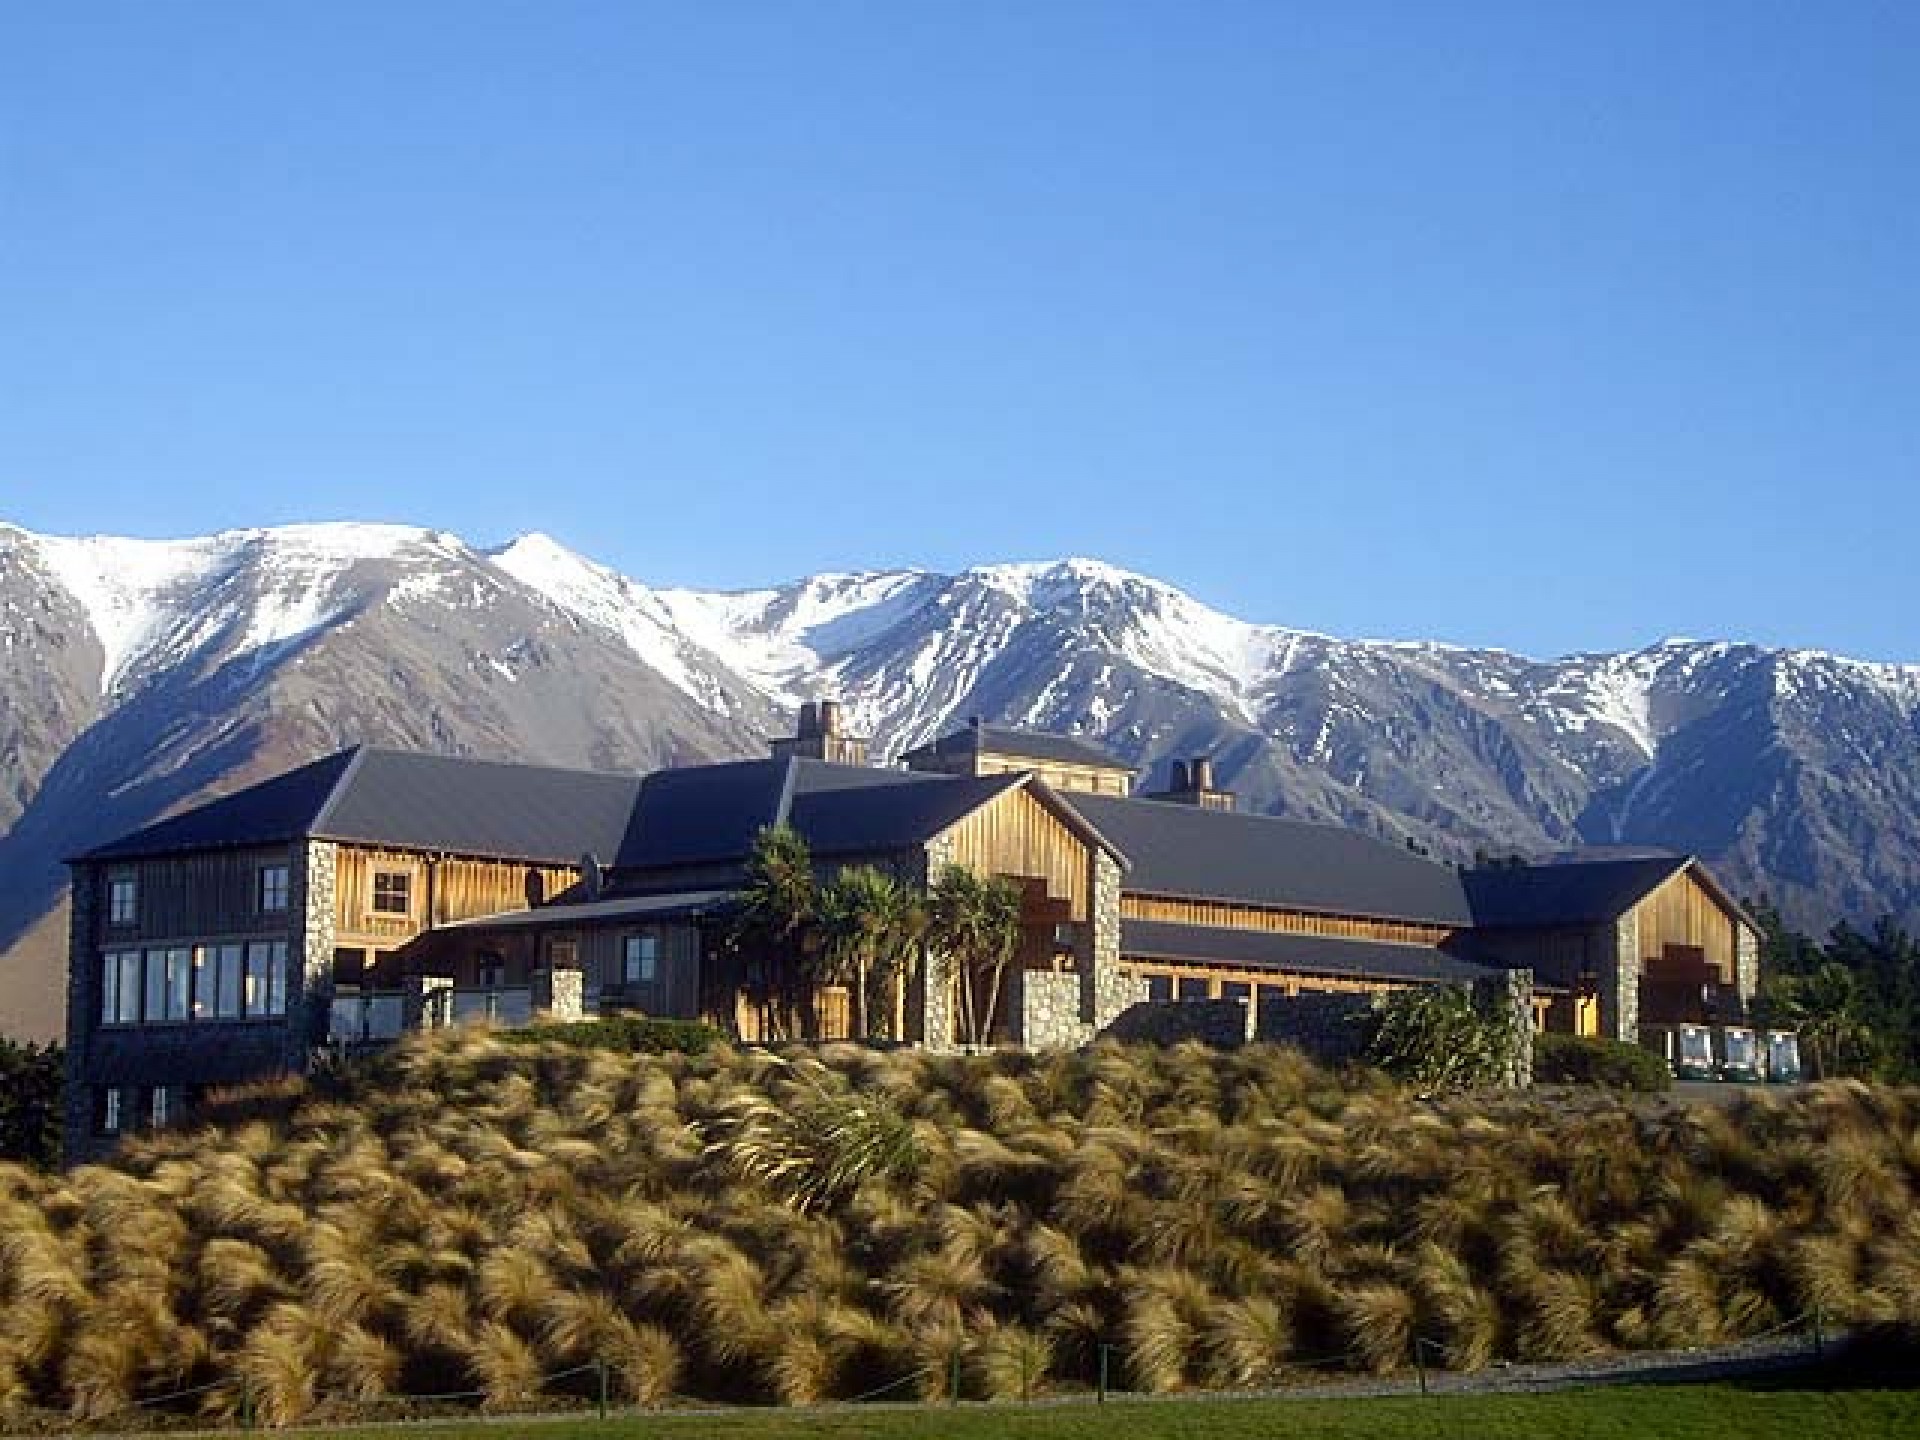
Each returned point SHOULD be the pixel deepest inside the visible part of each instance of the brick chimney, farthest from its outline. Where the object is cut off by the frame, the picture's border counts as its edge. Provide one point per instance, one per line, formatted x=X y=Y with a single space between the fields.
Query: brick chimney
x=1190 y=782
x=819 y=736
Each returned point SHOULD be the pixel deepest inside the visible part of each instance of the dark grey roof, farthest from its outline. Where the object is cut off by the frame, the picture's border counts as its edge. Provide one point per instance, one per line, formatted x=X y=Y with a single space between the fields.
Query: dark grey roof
x=1575 y=893
x=270 y=813
x=1259 y=860
x=1029 y=744
x=848 y=821
x=478 y=807
x=710 y=814
x=411 y=801
x=1309 y=954
x=603 y=912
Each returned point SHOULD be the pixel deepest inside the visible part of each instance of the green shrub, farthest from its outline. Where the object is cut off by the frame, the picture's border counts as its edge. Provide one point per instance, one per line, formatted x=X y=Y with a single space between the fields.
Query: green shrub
x=32 y=1087
x=1436 y=1039
x=1589 y=1060
x=624 y=1035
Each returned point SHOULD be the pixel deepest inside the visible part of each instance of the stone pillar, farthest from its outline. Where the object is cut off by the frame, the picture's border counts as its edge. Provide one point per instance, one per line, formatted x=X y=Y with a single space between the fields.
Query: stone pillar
x=311 y=901
x=426 y=1002
x=1508 y=998
x=1106 y=992
x=559 y=994
x=1746 y=966
x=1620 y=982
x=83 y=1008
x=938 y=1024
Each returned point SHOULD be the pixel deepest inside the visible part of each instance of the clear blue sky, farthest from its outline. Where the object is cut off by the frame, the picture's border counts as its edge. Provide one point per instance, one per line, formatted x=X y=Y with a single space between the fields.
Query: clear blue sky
x=1547 y=325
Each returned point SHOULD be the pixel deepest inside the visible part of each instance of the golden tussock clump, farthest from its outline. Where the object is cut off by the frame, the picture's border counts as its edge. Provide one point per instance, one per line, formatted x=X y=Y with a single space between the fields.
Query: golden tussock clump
x=472 y=1213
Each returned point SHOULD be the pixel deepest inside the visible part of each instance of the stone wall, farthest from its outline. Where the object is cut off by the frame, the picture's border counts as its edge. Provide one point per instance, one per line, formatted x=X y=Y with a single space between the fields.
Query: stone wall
x=1620 y=982
x=1509 y=997
x=559 y=994
x=1746 y=965
x=1045 y=1006
x=1222 y=1023
x=311 y=898
x=1108 y=992
x=1331 y=1026
x=938 y=1026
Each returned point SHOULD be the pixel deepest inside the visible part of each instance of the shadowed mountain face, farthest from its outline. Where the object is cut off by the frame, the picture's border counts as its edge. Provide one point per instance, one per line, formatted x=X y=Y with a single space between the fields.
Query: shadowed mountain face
x=142 y=677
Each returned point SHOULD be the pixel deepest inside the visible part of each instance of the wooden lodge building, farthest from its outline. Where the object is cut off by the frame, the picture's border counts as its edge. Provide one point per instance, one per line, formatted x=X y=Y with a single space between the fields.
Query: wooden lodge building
x=376 y=891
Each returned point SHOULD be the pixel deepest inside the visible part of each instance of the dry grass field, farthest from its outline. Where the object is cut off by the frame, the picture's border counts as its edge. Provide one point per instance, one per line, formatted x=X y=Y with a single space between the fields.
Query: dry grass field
x=469 y=1215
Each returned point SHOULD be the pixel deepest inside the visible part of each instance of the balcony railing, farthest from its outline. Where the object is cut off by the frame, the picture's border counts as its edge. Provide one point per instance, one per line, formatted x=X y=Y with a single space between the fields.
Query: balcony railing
x=361 y=1015
x=496 y=1005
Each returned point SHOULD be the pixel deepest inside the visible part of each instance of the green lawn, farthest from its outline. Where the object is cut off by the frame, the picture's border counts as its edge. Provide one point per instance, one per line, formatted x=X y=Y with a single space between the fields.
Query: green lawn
x=1710 y=1412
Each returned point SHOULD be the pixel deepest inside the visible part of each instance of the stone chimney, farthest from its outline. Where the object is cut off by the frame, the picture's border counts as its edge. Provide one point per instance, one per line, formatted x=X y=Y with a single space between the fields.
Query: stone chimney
x=1190 y=782
x=819 y=735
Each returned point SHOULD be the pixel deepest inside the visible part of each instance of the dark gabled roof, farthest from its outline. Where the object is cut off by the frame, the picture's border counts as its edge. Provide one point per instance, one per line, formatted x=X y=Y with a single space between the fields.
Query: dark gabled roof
x=973 y=740
x=410 y=801
x=1185 y=850
x=478 y=807
x=1574 y=893
x=703 y=814
x=847 y=821
x=1309 y=954
x=270 y=813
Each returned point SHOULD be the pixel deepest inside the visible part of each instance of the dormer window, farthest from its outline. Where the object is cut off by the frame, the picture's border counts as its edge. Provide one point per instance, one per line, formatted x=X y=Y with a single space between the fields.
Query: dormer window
x=393 y=892
x=123 y=900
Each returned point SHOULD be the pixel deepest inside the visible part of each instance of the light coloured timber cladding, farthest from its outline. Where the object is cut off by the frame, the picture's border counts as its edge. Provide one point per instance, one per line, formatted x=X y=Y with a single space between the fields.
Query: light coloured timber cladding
x=1220 y=913
x=1285 y=982
x=200 y=896
x=1681 y=912
x=1017 y=835
x=1086 y=779
x=439 y=889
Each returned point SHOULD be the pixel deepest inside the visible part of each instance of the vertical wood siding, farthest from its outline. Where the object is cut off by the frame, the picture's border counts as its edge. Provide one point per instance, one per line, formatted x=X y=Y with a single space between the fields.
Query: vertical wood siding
x=1134 y=906
x=1681 y=912
x=1017 y=835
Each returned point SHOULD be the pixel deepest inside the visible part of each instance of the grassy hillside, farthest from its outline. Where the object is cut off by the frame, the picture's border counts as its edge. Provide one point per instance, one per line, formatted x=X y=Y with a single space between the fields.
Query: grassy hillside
x=467 y=1213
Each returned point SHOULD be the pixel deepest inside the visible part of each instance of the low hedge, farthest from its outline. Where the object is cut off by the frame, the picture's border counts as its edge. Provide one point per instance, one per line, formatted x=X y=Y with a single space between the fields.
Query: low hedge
x=625 y=1034
x=1589 y=1060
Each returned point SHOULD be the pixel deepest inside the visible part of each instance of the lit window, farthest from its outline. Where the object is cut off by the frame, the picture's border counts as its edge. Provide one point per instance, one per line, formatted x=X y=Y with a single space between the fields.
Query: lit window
x=392 y=892
x=123 y=900
x=640 y=959
x=273 y=888
x=179 y=991
x=216 y=982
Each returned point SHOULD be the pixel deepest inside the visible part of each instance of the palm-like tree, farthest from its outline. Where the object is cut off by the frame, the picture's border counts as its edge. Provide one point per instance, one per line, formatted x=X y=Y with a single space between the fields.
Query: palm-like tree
x=869 y=926
x=974 y=925
x=775 y=927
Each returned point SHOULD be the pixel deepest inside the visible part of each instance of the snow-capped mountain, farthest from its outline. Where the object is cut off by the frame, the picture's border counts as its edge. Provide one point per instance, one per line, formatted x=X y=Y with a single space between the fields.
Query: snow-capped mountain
x=144 y=675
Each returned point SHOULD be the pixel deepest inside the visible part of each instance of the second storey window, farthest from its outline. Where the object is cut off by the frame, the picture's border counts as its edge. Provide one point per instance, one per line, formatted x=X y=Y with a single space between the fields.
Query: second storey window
x=123 y=900
x=273 y=888
x=392 y=892
x=640 y=959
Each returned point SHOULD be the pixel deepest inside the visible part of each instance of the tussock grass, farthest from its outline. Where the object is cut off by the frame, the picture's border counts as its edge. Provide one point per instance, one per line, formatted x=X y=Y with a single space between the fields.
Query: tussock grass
x=466 y=1214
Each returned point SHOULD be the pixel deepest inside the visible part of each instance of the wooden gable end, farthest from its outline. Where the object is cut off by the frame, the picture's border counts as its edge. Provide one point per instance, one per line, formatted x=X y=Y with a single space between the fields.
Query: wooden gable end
x=1018 y=834
x=1683 y=921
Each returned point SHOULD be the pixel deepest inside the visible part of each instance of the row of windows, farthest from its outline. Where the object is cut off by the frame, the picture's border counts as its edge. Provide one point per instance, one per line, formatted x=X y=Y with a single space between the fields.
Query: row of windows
x=179 y=983
x=120 y=1108
x=270 y=893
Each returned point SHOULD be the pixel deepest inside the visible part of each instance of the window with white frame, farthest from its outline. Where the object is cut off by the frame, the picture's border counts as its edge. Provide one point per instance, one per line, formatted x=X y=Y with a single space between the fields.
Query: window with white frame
x=640 y=959
x=109 y=1116
x=273 y=889
x=164 y=1104
x=123 y=900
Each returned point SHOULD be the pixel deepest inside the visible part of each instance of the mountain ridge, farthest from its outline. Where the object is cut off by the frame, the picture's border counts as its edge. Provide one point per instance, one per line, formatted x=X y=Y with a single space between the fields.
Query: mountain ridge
x=144 y=675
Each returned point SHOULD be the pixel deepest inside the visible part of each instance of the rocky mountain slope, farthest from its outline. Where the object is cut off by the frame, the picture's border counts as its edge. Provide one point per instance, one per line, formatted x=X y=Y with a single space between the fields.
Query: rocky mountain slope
x=141 y=676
